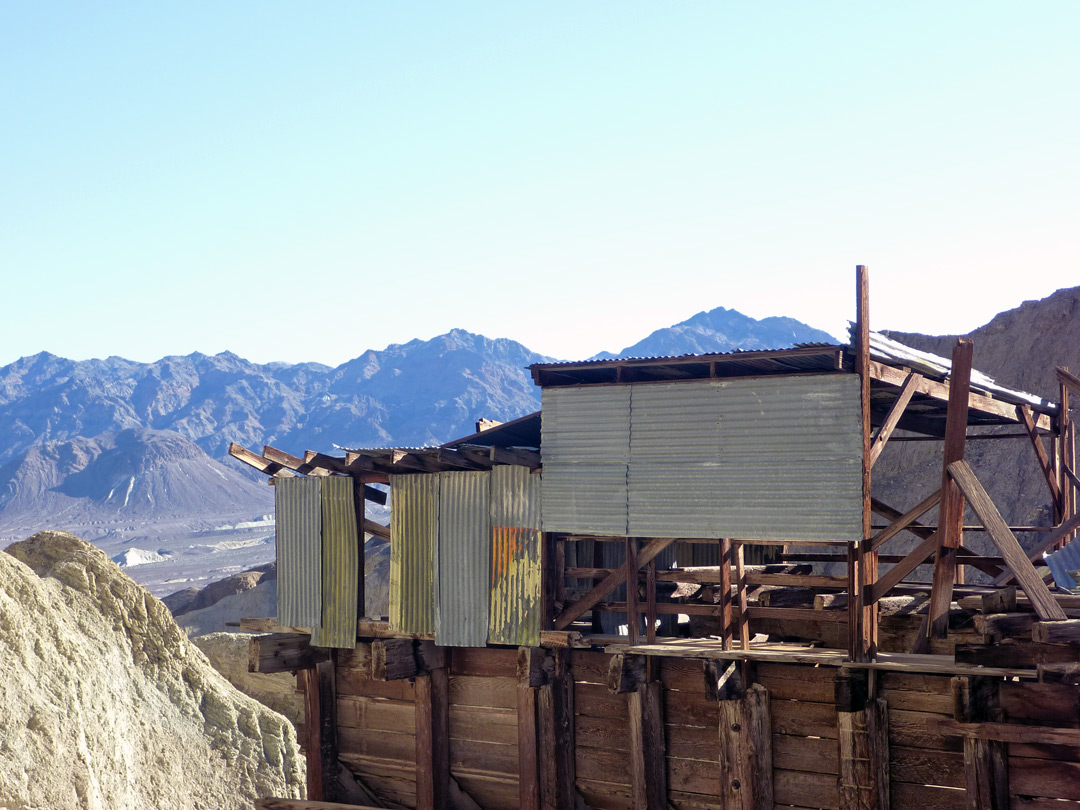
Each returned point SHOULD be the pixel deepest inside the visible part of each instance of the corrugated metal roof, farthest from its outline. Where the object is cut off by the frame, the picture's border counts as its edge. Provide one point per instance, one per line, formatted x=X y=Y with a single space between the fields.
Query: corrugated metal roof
x=516 y=600
x=414 y=527
x=298 y=508
x=586 y=447
x=340 y=563
x=464 y=559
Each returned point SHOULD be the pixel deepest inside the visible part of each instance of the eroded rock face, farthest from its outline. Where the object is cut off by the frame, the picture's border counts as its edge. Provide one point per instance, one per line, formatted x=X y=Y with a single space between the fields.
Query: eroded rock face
x=106 y=704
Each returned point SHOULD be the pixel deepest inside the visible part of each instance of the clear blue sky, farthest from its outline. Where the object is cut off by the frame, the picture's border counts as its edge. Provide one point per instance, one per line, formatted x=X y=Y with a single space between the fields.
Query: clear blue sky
x=305 y=181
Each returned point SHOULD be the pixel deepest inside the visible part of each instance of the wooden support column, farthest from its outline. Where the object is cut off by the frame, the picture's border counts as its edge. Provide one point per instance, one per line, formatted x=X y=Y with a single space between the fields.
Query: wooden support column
x=432 y=711
x=528 y=750
x=648 y=766
x=632 y=620
x=864 y=629
x=727 y=618
x=320 y=730
x=863 y=740
x=359 y=506
x=986 y=761
x=951 y=515
x=746 y=751
x=555 y=729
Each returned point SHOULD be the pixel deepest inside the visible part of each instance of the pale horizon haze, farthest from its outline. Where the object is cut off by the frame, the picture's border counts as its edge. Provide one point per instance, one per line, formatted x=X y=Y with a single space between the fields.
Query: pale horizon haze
x=302 y=183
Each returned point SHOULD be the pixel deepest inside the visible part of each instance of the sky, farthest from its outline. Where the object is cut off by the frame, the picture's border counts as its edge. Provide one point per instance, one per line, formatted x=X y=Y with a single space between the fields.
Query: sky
x=302 y=182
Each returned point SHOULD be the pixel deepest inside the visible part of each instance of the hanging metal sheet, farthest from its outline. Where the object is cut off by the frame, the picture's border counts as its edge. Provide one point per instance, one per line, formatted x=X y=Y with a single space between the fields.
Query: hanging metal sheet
x=464 y=559
x=414 y=527
x=340 y=565
x=773 y=458
x=298 y=533
x=586 y=447
x=516 y=600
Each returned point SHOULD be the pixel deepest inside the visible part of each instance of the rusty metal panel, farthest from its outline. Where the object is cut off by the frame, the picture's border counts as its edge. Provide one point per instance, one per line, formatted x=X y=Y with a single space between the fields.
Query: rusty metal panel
x=298 y=508
x=772 y=458
x=414 y=528
x=585 y=447
x=516 y=597
x=464 y=559
x=340 y=564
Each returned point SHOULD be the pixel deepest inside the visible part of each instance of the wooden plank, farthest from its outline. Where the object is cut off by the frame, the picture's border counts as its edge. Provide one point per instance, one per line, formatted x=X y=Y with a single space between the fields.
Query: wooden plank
x=555 y=720
x=891 y=578
x=1013 y=654
x=375 y=743
x=807 y=754
x=631 y=570
x=432 y=724
x=907 y=520
x=647 y=747
x=484 y=725
x=1046 y=704
x=528 y=760
x=899 y=406
x=951 y=514
x=312 y=743
x=1009 y=732
x=282 y=652
x=1025 y=417
x=986 y=768
x=358 y=682
x=864 y=757
x=608 y=584
x=1056 y=632
x=727 y=615
x=300 y=804
x=801 y=789
x=484 y=759
x=1052 y=539
x=498 y=693
x=1067 y=674
x=885 y=373
x=746 y=767
x=393 y=659
x=927 y=797
x=488 y=662
x=1041 y=777
x=375 y=714
x=864 y=626
x=1007 y=544
x=923 y=766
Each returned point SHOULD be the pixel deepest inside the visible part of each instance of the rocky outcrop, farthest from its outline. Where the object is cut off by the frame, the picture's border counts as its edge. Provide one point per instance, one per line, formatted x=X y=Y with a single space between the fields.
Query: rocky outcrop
x=106 y=704
x=191 y=599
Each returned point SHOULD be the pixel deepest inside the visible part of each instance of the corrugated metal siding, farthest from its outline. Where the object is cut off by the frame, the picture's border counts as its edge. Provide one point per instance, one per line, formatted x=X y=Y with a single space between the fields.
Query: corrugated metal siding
x=414 y=527
x=772 y=458
x=464 y=559
x=586 y=447
x=340 y=563
x=298 y=508
x=516 y=601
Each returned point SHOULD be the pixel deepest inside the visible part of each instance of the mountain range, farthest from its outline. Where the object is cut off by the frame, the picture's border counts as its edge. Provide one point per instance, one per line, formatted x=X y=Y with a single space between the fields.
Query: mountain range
x=133 y=456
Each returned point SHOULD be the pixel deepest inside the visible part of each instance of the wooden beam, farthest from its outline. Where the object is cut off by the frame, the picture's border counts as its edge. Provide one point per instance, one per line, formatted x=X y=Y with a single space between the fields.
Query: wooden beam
x=889 y=580
x=906 y=520
x=1057 y=632
x=907 y=391
x=258 y=462
x=986 y=761
x=304 y=804
x=1024 y=414
x=555 y=728
x=1008 y=732
x=361 y=569
x=746 y=764
x=608 y=584
x=1062 y=531
x=1008 y=546
x=432 y=728
x=528 y=750
x=885 y=373
x=394 y=659
x=727 y=617
x=377 y=529
x=282 y=652
x=626 y=672
x=632 y=620
x=320 y=730
x=1067 y=674
x=866 y=633
x=864 y=757
x=535 y=666
x=1069 y=380
x=951 y=516
x=294 y=463
x=648 y=763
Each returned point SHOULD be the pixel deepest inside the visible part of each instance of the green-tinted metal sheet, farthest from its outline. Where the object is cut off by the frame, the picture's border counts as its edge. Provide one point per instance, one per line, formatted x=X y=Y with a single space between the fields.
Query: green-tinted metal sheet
x=340 y=564
x=516 y=599
x=464 y=559
x=298 y=508
x=414 y=529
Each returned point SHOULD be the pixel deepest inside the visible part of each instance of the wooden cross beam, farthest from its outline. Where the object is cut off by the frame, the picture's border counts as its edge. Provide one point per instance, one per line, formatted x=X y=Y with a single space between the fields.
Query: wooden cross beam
x=1024 y=413
x=893 y=419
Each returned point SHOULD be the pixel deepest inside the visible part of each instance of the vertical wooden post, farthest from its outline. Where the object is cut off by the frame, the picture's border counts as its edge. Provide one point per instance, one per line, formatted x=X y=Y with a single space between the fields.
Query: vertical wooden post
x=555 y=733
x=951 y=513
x=726 y=615
x=597 y=562
x=863 y=741
x=650 y=602
x=864 y=630
x=648 y=767
x=986 y=762
x=359 y=507
x=528 y=756
x=320 y=730
x=632 y=621
x=746 y=751
x=550 y=577
x=432 y=740
x=1065 y=454
x=560 y=577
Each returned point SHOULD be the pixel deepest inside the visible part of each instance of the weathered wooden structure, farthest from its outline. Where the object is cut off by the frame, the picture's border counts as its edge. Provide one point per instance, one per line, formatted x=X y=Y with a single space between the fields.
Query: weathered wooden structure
x=637 y=492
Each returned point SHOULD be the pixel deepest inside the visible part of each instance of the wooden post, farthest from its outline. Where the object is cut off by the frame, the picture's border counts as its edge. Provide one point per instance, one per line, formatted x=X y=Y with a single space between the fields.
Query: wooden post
x=951 y=515
x=432 y=740
x=631 y=590
x=726 y=616
x=359 y=507
x=650 y=603
x=320 y=730
x=528 y=751
x=863 y=740
x=746 y=751
x=555 y=730
x=648 y=767
x=986 y=761
x=865 y=629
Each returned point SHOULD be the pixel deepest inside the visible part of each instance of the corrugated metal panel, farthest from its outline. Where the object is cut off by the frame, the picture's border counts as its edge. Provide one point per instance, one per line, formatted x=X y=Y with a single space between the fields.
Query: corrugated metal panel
x=414 y=527
x=298 y=507
x=787 y=464
x=1065 y=566
x=585 y=447
x=515 y=556
x=340 y=563
x=464 y=559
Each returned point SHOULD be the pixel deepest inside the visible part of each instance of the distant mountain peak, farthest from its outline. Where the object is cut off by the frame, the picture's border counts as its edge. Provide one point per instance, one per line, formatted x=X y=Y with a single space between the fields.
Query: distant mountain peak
x=722 y=330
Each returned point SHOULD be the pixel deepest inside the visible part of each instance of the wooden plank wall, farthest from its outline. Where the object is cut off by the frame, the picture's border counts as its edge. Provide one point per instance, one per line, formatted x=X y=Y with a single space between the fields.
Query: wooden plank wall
x=926 y=763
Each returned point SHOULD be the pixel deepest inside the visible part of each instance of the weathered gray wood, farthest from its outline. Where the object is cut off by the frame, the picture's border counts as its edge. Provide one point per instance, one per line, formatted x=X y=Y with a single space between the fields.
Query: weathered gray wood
x=432 y=729
x=1068 y=674
x=648 y=768
x=1056 y=632
x=1008 y=546
x=863 y=738
x=746 y=765
x=626 y=673
x=986 y=761
x=393 y=659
